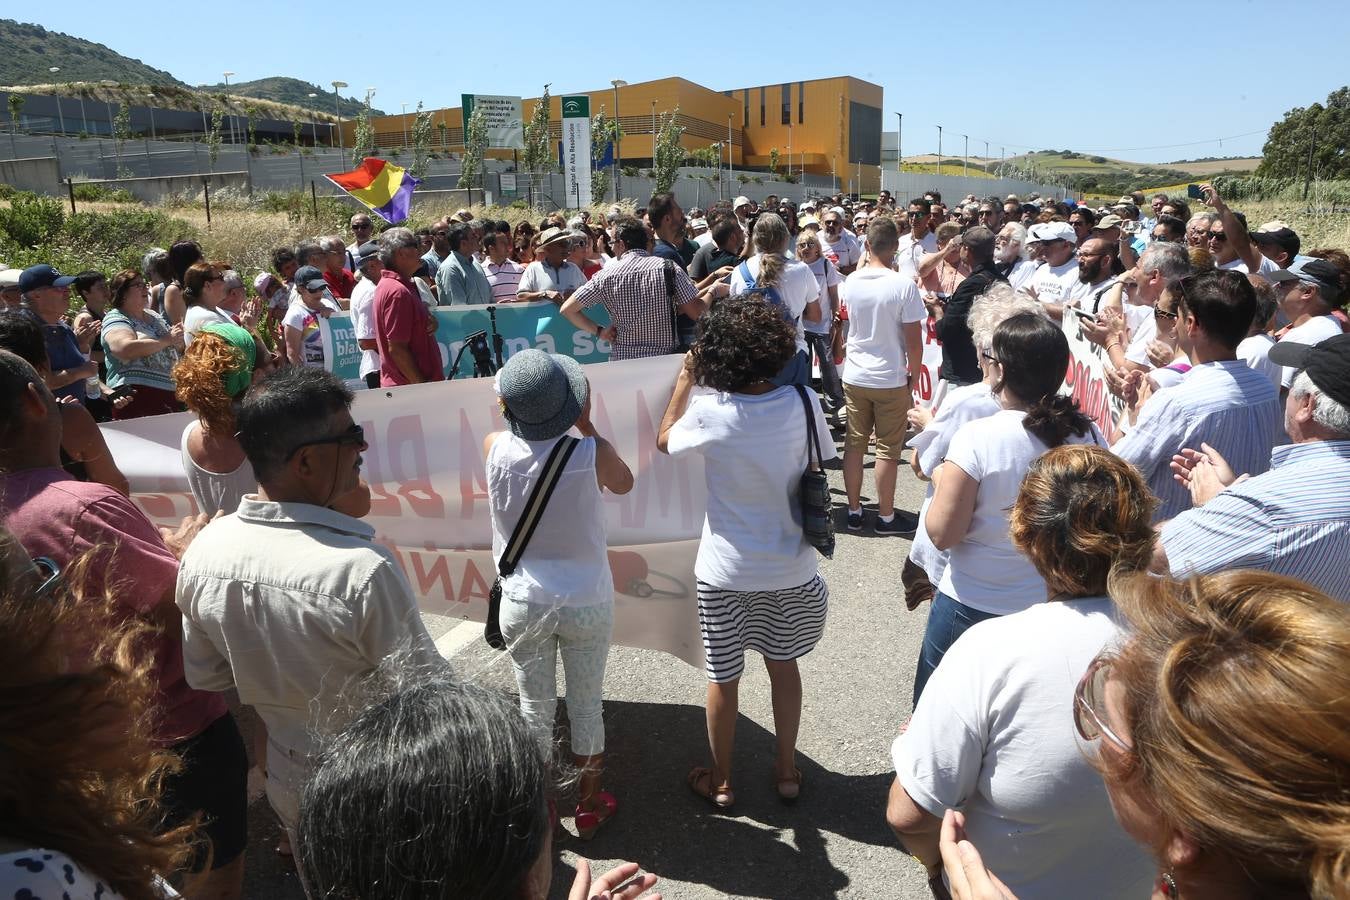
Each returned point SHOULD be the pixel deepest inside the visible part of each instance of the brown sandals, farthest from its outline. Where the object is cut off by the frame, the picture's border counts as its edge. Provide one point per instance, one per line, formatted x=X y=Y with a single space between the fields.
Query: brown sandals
x=700 y=782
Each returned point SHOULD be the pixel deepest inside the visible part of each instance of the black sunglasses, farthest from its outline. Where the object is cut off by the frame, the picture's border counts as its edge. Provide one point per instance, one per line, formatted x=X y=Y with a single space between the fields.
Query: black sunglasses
x=352 y=437
x=362 y=226
x=1217 y=236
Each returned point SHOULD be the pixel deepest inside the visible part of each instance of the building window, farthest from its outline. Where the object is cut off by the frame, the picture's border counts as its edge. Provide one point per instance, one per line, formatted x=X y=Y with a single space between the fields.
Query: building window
x=787 y=104
x=745 y=114
x=761 y=107
x=801 y=103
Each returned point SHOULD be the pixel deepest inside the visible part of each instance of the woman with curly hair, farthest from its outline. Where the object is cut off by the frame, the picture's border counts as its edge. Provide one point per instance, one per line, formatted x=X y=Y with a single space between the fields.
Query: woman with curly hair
x=994 y=737
x=976 y=485
x=758 y=584
x=139 y=349
x=80 y=786
x=212 y=377
x=1222 y=730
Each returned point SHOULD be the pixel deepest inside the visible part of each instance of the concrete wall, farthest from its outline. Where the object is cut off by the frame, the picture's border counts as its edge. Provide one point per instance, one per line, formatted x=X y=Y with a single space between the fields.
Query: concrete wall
x=40 y=175
x=150 y=190
x=905 y=185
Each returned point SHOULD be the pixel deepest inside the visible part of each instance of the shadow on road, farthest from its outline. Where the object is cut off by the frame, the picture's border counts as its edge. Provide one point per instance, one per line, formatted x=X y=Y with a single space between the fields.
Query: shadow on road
x=761 y=847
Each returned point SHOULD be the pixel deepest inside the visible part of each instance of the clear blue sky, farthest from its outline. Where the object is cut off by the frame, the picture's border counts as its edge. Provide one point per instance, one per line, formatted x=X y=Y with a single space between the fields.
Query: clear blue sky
x=1025 y=76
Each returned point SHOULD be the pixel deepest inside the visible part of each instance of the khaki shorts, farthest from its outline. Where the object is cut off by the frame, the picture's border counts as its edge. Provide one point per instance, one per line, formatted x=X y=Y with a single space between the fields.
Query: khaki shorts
x=881 y=410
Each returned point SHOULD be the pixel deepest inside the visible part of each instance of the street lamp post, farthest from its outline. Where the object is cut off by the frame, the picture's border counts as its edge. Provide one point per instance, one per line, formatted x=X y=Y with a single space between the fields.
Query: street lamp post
x=618 y=133
x=731 y=145
x=337 y=106
x=313 y=120
x=939 y=171
x=965 y=165
x=405 y=123
x=899 y=129
x=151 y=97
x=370 y=92
x=60 y=115
x=227 y=93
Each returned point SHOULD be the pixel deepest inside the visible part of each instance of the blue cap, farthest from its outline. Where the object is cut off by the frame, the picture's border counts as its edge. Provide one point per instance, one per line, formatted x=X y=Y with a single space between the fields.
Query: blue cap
x=37 y=277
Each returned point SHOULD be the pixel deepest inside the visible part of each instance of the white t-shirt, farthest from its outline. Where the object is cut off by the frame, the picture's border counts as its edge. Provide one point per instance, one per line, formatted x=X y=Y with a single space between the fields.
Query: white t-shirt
x=1255 y=352
x=911 y=252
x=1141 y=329
x=1051 y=283
x=985 y=571
x=1081 y=295
x=993 y=736
x=827 y=276
x=846 y=251
x=754 y=454
x=961 y=405
x=1265 y=267
x=306 y=321
x=198 y=317
x=1313 y=331
x=363 y=323
x=879 y=303
x=1021 y=274
x=796 y=287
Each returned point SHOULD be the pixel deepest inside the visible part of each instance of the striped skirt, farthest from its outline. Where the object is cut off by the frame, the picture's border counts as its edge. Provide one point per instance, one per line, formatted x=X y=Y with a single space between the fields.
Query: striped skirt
x=781 y=625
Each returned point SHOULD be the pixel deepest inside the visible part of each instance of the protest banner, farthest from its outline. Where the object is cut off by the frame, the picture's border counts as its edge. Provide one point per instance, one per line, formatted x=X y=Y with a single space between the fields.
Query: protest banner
x=429 y=495
x=520 y=325
x=1086 y=379
x=505 y=127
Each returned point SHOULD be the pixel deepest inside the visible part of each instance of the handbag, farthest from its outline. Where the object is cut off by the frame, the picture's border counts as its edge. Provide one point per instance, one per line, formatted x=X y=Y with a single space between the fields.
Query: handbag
x=524 y=530
x=814 y=491
x=683 y=338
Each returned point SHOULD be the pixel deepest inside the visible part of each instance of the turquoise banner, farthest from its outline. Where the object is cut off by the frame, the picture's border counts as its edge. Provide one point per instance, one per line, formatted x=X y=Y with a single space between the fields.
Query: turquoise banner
x=521 y=326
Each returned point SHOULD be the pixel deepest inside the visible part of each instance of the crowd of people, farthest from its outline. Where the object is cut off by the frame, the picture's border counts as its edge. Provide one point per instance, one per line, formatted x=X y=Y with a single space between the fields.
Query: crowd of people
x=1131 y=679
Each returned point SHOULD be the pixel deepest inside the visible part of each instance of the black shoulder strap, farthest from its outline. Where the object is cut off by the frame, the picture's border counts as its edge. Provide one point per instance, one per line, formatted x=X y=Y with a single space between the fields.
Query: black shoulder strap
x=812 y=438
x=534 y=506
x=670 y=292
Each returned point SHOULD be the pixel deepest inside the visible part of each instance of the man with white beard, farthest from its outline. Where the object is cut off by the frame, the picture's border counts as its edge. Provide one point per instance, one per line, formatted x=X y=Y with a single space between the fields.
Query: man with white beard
x=1059 y=272
x=1008 y=256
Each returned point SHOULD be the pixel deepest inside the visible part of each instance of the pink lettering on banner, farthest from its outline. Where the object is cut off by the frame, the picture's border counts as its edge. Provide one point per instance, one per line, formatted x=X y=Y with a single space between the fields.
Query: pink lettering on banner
x=472 y=468
x=930 y=331
x=430 y=571
x=405 y=439
x=671 y=476
x=925 y=391
x=1089 y=392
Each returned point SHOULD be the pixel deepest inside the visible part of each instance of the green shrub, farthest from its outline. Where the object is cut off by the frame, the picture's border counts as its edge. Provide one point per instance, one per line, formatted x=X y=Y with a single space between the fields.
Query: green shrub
x=30 y=220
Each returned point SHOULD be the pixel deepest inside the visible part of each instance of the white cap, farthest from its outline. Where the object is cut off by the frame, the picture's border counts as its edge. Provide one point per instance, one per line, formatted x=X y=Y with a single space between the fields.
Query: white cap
x=1052 y=231
x=739 y=202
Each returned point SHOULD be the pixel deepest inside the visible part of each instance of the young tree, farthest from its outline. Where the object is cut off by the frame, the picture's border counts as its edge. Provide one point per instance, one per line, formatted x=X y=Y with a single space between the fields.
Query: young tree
x=604 y=131
x=213 y=136
x=16 y=102
x=363 y=139
x=421 y=136
x=538 y=142
x=475 y=145
x=121 y=133
x=669 y=152
x=773 y=161
x=251 y=112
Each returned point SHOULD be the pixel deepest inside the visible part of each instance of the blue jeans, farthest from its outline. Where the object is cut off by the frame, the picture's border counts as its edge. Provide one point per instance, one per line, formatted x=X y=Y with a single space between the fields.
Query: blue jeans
x=947 y=620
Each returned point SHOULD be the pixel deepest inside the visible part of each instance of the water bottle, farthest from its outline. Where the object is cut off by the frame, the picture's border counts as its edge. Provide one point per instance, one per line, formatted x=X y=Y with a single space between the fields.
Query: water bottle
x=92 y=389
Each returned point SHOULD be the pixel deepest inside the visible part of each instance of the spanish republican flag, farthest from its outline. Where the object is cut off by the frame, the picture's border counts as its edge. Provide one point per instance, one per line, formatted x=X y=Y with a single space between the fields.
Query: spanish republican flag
x=387 y=189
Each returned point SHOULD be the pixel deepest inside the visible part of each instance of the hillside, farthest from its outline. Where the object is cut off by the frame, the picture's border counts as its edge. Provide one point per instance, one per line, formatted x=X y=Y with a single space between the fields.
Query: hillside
x=31 y=50
x=291 y=91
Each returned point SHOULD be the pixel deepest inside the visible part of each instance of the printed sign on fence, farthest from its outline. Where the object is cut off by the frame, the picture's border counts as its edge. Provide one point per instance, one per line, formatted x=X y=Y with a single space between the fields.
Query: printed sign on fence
x=429 y=494
x=520 y=326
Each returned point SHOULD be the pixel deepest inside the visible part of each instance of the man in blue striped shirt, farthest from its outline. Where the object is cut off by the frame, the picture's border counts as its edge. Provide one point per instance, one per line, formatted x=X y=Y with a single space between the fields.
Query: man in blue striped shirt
x=1295 y=518
x=1220 y=402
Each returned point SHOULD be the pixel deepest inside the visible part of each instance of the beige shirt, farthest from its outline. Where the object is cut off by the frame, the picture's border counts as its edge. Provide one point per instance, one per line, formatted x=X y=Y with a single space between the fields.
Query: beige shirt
x=288 y=603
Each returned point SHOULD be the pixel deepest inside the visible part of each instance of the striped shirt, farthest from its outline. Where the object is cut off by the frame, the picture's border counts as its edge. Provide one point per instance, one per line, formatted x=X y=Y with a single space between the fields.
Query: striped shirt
x=504 y=279
x=633 y=290
x=1292 y=520
x=1224 y=404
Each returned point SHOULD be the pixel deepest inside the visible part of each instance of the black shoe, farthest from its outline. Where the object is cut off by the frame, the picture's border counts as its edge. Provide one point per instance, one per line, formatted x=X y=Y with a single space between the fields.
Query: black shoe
x=855 y=520
x=901 y=523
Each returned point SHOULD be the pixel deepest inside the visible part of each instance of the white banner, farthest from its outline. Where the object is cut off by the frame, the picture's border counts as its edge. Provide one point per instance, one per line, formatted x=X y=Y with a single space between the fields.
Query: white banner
x=576 y=149
x=1086 y=380
x=428 y=484
x=505 y=127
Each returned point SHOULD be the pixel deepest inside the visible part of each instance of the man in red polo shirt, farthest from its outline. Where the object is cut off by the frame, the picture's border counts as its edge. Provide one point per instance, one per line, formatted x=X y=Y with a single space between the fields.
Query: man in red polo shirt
x=405 y=331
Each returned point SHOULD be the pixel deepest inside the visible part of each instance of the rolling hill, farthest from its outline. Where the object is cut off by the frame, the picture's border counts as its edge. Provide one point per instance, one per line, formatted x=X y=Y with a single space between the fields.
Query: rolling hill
x=31 y=50
x=292 y=91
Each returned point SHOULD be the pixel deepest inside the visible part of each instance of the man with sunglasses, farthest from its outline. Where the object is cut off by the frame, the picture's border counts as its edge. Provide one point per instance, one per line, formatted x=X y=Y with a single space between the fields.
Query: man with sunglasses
x=921 y=240
x=316 y=603
x=838 y=243
x=126 y=558
x=363 y=229
x=1229 y=243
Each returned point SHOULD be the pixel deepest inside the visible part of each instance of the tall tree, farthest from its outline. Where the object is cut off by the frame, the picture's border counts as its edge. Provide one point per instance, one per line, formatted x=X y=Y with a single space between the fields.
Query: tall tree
x=475 y=145
x=421 y=135
x=1316 y=133
x=538 y=142
x=669 y=152
x=604 y=132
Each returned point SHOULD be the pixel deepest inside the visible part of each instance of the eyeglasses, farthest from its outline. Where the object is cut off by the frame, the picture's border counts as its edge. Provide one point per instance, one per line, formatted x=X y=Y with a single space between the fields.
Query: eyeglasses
x=915 y=214
x=986 y=212
x=50 y=572
x=362 y=226
x=831 y=223
x=989 y=356
x=1083 y=254
x=1217 y=236
x=352 y=437
x=1163 y=314
x=1088 y=697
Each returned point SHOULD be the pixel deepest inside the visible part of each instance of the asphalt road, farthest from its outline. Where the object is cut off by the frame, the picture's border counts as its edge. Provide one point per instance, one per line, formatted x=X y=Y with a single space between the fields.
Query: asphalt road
x=833 y=843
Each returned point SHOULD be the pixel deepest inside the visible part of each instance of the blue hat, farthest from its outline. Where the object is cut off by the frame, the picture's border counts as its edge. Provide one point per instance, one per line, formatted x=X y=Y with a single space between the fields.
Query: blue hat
x=310 y=277
x=542 y=394
x=37 y=277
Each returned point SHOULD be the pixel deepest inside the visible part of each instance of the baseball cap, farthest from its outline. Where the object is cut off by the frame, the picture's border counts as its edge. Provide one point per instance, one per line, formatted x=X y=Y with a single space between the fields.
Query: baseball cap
x=1327 y=364
x=739 y=202
x=808 y=204
x=37 y=277
x=1311 y=270
x=1108 y=221
x=367 y=251
x=310 y=278
x=1051 y=231
x=1277 y=232
x=697 y=224
x=9 y=278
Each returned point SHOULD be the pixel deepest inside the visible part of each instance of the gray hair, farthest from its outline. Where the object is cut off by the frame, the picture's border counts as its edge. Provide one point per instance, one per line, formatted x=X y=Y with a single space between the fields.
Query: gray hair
x=1207 y=217
x=439 y=789
x=998 y=303
x=1172 y=261
x=1331 y=414
x=1017 y=233
x=393 y=240
x=331 y=243
x=152 y=261
x=305 y=249
x=231 y=279
x=289 y=407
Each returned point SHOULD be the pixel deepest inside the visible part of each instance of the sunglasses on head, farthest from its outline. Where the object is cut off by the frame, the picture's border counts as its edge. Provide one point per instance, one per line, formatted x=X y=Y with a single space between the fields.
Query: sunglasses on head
x=352 y=437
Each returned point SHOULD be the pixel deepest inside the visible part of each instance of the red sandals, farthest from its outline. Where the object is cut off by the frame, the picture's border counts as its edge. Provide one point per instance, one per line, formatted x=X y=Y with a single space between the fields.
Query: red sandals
x=588 y=821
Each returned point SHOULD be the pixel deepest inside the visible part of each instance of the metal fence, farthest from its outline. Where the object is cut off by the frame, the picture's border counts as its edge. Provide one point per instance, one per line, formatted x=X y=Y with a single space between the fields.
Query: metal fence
x=906 y=185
